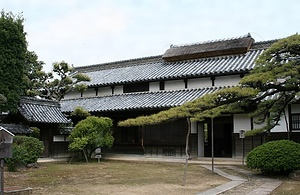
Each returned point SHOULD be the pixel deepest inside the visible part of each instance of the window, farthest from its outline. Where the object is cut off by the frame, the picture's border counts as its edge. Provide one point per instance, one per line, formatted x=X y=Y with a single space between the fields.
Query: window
x=162 y=85
x=136 y=87
x=185 y=83
x=61 y=138
x=295 y=121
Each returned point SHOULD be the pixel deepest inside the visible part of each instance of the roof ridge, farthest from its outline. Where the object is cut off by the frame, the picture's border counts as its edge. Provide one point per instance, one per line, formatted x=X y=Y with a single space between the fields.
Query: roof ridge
x=213 y=41
x=117 y=64
x=33 y=100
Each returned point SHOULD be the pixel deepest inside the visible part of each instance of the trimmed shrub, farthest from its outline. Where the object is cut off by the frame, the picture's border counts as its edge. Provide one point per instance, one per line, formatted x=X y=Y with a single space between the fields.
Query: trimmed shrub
x=275 y=157
x=26 y=150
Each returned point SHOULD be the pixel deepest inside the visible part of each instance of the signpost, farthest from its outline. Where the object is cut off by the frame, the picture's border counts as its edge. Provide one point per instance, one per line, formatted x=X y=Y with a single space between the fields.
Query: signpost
x=242 y=136
x=6 y=140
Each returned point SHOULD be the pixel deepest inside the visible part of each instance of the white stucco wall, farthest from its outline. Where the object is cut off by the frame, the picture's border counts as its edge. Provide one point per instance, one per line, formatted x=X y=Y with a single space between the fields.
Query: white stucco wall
x=104 y=91
x=72 y=94
x=282 y=123
x=201 y=140
x=89 y=93
x=193 y=127
x=241 y=122
x=174 y=85
x=118 y=89
x=154 y=86
x=199 y=82
x=229 y=80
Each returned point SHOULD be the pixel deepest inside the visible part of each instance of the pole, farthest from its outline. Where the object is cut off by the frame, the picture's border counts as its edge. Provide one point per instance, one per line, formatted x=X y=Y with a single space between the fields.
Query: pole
x=2 y=176
x=243 y=150
x=212 y=145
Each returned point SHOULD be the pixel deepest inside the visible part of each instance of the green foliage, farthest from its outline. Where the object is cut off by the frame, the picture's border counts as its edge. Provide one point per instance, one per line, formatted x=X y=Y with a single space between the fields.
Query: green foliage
x=59 y=82
x=277 y=77
x=34 y=76
x=35 y=132
x=275 y=157
x=224 y=101
x=13 y=48
x=26 y=150
x=91 y=133
x=272 y=85
x=79 y=114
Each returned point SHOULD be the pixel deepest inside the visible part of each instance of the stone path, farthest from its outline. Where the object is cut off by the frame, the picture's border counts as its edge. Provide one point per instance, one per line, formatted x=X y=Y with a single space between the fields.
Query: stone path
x=248 y=184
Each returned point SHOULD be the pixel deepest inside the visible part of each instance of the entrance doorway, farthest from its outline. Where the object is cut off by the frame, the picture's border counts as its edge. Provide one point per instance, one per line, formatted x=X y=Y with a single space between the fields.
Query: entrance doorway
x=223 y=129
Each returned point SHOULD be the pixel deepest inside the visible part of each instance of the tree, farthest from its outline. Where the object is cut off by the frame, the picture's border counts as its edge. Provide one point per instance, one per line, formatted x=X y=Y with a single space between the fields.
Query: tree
x=228 y=100
x=79 y=114
x=277 y=77
x=271 y=86
x=266 y=91
x=13 y=47
x=91 y=133
x=57 y=84
x=34 y=76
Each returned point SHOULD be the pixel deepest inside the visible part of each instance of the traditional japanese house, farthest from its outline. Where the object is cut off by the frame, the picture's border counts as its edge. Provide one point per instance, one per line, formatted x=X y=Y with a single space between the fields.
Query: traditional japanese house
x=130 y=88
x=47 y=117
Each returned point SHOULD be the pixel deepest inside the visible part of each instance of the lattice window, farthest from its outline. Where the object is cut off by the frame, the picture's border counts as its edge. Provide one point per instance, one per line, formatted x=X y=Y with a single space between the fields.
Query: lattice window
x=295 y=121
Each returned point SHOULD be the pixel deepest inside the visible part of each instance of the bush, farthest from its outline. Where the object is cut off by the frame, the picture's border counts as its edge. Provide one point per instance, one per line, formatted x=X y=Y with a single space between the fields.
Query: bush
x=26 y=150
x=91 y=133
x=275 y=157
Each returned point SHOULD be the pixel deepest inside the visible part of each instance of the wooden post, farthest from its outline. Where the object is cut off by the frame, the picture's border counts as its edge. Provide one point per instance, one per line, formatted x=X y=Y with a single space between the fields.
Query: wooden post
x=212 y=145
x=2 y=176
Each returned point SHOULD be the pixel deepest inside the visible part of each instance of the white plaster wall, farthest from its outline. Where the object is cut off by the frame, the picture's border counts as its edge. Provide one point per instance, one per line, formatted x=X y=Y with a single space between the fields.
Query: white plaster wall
x=154 y=86
x=193 y=127
x=199 y=82
x=174 y=85
x=72 y=94
x=256 y=126
x=118 y=89
x=104 y=91
x=241 y=122
x=229 y=80
x=58 y=138
x=90 y=92
x=200 y=140
x=282 y=123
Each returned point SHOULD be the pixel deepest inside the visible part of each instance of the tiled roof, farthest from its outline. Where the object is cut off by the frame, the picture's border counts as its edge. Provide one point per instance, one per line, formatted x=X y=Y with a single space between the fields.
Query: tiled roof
x=17 y=129
x=135 y=101
x=41 y=111
x=161 y=70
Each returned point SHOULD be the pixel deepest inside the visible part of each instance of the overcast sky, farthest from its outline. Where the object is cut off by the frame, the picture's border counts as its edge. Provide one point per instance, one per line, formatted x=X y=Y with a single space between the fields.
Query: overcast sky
x=85 y=32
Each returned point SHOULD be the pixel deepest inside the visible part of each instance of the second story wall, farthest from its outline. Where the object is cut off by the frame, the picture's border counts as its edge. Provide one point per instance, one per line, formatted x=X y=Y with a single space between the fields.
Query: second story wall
x=166 y=85
x=174 y=85
x=199 y=82
x=229 y=80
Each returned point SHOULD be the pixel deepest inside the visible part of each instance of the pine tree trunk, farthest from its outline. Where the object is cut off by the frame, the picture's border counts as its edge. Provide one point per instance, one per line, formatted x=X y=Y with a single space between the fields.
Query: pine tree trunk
x=187 y=156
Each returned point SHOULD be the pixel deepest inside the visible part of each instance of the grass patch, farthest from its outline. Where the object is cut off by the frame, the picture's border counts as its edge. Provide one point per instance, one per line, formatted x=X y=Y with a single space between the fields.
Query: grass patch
x=111 y=177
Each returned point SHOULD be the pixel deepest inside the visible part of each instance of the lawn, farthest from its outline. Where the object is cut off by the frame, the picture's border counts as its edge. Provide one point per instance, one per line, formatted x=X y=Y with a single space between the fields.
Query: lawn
x=114 y=177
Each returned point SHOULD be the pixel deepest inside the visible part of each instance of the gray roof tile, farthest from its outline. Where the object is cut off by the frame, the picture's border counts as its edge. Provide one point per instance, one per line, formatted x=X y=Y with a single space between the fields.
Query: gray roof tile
x=41 y=111
x=17 y=129
x=160 y=70
x=135 y=101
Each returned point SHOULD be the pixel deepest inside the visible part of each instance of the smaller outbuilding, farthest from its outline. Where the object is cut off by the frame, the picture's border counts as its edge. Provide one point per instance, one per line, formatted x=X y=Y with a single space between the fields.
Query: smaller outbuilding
x=47 y=117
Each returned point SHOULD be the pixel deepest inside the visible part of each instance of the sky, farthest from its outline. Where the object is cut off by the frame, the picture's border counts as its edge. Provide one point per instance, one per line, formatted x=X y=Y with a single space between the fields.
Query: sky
x=83 y=32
